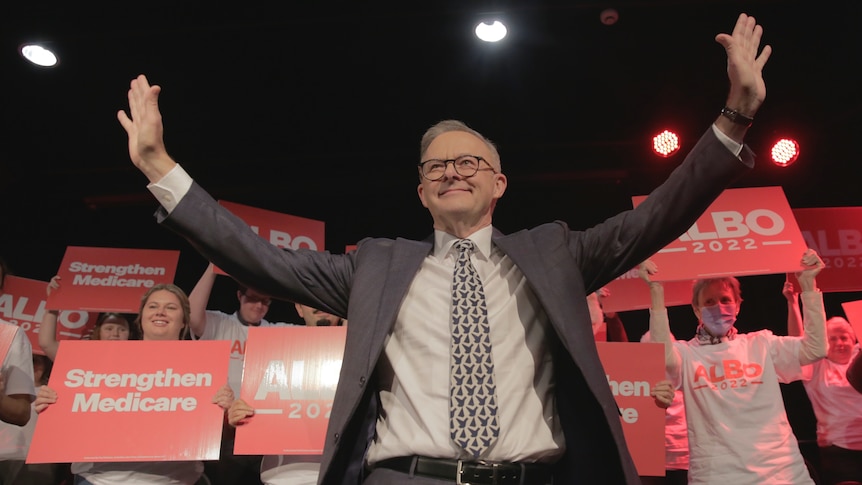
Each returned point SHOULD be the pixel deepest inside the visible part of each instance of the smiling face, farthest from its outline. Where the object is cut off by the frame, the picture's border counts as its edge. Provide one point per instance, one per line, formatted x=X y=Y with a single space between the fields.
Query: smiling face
x=841 y=340
x=162 y=316
x=459 y=205
x=253 y=306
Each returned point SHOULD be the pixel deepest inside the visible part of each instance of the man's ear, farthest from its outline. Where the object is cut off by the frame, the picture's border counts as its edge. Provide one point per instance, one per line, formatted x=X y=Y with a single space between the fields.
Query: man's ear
x=421 y=191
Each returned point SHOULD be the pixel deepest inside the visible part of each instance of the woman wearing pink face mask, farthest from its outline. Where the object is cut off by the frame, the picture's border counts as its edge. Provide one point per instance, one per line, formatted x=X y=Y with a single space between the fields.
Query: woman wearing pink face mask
x=738 y=429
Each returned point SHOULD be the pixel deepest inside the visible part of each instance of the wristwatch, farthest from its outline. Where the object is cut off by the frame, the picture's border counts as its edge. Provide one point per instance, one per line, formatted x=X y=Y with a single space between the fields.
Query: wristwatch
x=736 y=117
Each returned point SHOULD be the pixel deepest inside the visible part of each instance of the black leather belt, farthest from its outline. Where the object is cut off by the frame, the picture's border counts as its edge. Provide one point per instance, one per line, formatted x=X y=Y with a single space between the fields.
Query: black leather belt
x=471 y=473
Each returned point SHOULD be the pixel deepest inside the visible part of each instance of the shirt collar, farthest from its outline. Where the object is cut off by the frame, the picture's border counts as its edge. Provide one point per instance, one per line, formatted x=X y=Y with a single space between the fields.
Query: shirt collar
x=444 y=241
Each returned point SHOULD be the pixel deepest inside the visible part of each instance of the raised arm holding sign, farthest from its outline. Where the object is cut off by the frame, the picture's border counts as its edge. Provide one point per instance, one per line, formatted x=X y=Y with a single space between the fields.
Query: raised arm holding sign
x=730 y=380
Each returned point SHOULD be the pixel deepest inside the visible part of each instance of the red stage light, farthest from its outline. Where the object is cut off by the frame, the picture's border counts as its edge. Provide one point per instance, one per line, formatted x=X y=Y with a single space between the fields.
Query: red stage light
x=784 y=152
x=665 y=143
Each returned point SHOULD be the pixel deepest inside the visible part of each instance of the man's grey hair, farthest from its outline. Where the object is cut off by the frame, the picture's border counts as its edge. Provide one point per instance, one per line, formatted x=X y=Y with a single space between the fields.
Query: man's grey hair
x=455 y=125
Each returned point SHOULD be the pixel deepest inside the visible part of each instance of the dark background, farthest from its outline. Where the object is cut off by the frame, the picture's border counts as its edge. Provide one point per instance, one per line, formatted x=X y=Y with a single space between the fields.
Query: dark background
x=316 y=109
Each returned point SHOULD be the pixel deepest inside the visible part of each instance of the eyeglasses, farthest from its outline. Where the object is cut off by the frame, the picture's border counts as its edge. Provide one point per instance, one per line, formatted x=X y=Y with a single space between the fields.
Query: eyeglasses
x=257 y=299
x=465 y=166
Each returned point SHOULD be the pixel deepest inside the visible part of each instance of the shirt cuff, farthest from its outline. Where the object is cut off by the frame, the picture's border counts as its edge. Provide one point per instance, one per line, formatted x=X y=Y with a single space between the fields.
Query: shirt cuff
x=734 y=147
x=171 y=188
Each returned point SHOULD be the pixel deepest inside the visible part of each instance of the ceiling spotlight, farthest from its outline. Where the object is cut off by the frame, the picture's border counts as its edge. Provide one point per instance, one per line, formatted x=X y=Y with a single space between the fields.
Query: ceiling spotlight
x=665 y=143
x=609 y=16
x=491 y=32
x=39 y=55
x=784 y=152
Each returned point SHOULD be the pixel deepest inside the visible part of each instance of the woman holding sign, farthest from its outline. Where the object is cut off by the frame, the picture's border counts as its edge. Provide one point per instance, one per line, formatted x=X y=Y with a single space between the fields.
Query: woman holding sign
x=163 y=315
x=738 y=429
x=837 y=406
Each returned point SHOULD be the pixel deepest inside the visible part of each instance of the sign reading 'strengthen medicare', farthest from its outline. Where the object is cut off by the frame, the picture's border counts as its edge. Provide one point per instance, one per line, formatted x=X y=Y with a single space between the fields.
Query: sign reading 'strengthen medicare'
x=133 y=401
x=111 y=279
x=743 y=232
x=632 y=369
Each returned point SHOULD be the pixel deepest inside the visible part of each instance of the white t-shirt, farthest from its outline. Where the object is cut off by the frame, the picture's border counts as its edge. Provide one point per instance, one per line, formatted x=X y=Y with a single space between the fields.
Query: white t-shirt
x=738 y=429
x=141 y=473
x=837 y=406
x=222 y=326
x=290 y=469
x=18 y=371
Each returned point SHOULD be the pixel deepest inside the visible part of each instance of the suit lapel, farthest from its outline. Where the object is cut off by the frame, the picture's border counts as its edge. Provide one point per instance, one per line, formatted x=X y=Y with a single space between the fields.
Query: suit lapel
x=407 y=257
x=527 y=257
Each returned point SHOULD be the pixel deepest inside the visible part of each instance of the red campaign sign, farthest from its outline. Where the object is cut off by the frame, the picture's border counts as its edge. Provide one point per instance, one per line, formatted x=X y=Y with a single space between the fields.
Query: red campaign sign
x=281 y=230
x=24 y=303
x=744 y=232
x=111 y=279
x=632 y=369
x=7 y=334
x=853 y=311
x=133 y=401
x=836 y=234
x=630 y=292
x=289 y=378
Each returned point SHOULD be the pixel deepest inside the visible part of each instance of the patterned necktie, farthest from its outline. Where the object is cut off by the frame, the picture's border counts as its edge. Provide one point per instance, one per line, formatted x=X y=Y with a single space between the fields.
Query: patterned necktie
x=472 y=391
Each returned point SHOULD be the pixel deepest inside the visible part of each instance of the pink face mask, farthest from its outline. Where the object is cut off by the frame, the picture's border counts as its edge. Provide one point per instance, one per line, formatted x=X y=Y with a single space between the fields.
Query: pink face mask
x=718 y=319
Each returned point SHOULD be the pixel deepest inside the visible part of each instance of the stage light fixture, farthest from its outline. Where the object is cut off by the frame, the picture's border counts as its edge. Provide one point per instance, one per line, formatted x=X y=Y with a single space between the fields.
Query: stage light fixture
x=665 y=143
x=39 y=55
x=784 y=152
x=491 y=30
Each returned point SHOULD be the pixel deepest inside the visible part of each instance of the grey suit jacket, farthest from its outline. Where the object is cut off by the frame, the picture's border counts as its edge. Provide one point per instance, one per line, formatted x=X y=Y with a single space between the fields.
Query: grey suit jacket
x=367 y=286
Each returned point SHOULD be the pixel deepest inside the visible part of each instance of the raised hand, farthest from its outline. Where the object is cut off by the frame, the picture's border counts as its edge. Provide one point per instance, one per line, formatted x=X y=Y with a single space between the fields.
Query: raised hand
x=144 y=126
x=53 y=285
x=811 y=264
x=789 y=290
x=744 y=65
x=646 y=270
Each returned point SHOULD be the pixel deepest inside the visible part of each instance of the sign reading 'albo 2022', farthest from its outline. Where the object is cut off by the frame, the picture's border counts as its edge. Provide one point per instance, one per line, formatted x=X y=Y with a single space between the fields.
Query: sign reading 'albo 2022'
x=743 y=232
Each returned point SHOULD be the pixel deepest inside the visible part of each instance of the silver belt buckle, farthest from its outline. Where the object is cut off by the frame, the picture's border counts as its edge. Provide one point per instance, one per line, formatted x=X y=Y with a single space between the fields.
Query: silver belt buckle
x=458 y=473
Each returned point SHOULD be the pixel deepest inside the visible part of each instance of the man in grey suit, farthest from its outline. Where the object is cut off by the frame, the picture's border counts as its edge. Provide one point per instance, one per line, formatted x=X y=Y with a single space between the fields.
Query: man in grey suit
x=556 y=418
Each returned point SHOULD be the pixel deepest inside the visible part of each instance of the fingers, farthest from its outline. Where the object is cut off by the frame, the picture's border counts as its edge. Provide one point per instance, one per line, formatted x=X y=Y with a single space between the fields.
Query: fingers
x=53 y=284
x=763 y=57
x=647 y=269
x=239 y=412
x=45 y=397
x=663 y=393
x=789 y=290
x=224 y=397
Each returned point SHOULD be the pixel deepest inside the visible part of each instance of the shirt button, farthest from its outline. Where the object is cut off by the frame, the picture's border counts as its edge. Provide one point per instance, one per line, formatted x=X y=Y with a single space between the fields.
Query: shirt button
x=361 y=381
